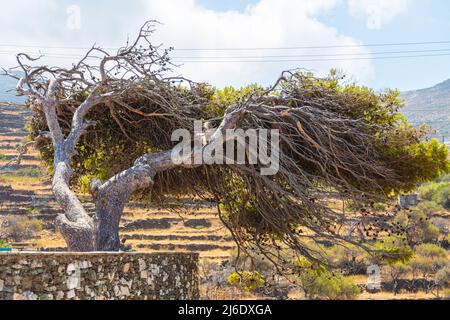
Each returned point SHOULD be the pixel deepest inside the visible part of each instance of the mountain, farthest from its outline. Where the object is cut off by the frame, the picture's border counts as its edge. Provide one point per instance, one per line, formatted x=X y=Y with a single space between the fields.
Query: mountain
x=430 y=106
x=7 y=92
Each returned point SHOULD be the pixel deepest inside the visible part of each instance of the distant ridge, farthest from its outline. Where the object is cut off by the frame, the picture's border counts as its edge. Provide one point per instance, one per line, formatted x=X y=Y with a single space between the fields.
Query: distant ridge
x=430 y=106
x=7 y=90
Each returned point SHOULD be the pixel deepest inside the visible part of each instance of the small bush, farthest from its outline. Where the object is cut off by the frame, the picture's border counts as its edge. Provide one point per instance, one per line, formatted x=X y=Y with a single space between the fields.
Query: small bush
x=25 y=173
x=4 y=244
x=437 y=192
x=349 y=259
x=327 y=285
x=317 y=282
x=246 y=280
x=397 y=270
x=442 y=278
x=444 y=178
x=258 y=262
x=2 y=157
x=392 y=249
x=379 y=206
x=429 y=250
x=19 y=228
x=429 y=207
x=30 y=173
x=428 y=260
x=418 y=225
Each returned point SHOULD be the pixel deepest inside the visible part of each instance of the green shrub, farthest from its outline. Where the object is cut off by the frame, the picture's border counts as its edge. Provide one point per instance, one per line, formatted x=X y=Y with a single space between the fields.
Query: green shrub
x=317 y=282
x=349 y=259
x=428 y=259
x=327 y=285
x=246 y=280
x=438 y=192
x=245 y=262
x=29 y=173
x=444 y=178
x=392 y=250
x=429 y=207
x=429 y=250
x=4 y=244
x=2 y=157
x=379 y=206
x=397 y=270
x=417 y=224
x=442 y=278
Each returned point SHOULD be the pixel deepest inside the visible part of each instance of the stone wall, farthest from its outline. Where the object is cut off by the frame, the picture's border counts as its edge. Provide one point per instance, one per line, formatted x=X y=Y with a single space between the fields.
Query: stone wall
x=98 y=276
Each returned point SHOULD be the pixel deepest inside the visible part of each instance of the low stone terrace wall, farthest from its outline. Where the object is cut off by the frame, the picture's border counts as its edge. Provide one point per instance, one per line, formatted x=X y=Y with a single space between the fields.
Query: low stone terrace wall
x=98 y=276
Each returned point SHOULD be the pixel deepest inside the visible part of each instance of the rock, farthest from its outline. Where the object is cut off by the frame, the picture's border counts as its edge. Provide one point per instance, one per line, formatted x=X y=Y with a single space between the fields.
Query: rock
x=84 y=264
x=111 y=276
x=36 y=264
x=29 y=296
x=72 y=268
x=17 y=297
x=142 y=265
x=124 y=291
x=126 y=283
x=154 y=269
x=23 y=262
x=27 y=283
x=70 y=294
x=47 y=296
x=73 y=282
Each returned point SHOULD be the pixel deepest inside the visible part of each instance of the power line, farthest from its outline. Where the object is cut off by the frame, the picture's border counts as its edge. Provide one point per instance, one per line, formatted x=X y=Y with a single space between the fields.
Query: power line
x=49 y=47
x=64 y=56
x=312 y=60
x=427 y=110
x=254 y=57
x=313 y=55
x=241 y=49
x=316 y=47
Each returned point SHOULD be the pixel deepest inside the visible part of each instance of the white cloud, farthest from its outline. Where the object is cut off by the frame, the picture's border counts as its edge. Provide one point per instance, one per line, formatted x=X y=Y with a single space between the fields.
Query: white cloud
x=377 y=12
x=269 y=23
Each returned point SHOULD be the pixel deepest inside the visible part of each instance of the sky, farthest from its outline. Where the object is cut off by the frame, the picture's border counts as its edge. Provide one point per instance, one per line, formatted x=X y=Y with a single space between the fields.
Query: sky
x=267 y=30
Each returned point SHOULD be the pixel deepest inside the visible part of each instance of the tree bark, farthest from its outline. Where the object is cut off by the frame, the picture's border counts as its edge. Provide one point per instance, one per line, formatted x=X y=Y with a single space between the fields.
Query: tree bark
x=110 y=200
x=76 y=226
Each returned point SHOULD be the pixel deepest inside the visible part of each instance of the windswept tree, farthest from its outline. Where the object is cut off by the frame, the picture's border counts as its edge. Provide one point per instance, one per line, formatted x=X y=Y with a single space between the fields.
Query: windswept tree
x=105 y=124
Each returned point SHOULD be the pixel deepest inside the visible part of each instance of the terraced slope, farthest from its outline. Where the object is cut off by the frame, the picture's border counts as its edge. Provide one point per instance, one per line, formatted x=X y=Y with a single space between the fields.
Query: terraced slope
x=25 y=191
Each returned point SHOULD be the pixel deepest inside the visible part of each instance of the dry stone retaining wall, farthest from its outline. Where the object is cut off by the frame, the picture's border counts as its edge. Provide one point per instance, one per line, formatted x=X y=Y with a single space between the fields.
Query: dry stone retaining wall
x=98 y=276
